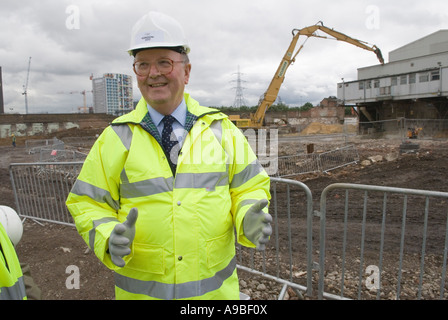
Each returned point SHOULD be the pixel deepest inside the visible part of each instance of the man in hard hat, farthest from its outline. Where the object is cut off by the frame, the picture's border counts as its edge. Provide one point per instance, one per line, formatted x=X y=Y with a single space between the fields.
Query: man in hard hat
x=165 y=187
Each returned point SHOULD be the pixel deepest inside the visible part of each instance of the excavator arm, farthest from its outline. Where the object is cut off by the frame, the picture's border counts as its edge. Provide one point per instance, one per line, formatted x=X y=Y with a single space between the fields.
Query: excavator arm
x=271 y=93
x=311 y=32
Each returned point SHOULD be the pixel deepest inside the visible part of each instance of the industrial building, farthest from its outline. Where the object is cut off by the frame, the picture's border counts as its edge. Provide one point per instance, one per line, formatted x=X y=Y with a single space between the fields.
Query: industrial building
x=112 y=94
x=412 y=85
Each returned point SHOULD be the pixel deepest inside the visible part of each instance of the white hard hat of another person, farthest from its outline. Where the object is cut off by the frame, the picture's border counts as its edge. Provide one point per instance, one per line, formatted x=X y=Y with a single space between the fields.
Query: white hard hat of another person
x=157 y=30
x=12 y=224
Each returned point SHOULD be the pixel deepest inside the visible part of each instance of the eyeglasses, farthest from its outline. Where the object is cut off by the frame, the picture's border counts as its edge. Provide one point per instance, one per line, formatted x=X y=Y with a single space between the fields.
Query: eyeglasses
x=164 y=66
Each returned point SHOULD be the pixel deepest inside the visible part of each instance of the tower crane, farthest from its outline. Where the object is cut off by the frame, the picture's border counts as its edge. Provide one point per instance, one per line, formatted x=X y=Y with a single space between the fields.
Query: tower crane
x=25 y=87
x=73 y=92
x=268 y=98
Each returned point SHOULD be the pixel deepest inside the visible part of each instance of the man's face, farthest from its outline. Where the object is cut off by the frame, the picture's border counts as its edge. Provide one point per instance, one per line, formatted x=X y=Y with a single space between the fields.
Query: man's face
x=164 y=92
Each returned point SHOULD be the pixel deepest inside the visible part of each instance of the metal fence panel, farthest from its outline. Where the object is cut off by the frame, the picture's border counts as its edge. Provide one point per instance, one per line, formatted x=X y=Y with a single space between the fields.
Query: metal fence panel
x=297 y=164
x=33 y=146
x=399 y=128
x=287 y=258
x=426 y=128
x=338 y=158
x=316 y=162
x=55 y=155
x=41 y=188
x=387 y=243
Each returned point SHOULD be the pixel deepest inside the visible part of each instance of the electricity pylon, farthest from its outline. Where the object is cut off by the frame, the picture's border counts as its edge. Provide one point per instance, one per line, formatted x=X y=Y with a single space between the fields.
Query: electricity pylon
x=239 y=98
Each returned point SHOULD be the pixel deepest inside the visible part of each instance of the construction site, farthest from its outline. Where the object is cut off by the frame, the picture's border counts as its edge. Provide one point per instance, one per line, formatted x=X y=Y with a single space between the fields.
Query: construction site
x=359 y=203
x=51 y=244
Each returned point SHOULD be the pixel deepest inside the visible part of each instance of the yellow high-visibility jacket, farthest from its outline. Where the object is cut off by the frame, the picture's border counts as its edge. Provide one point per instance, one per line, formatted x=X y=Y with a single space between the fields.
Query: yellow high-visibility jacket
x=184 y=246
x=12 y=286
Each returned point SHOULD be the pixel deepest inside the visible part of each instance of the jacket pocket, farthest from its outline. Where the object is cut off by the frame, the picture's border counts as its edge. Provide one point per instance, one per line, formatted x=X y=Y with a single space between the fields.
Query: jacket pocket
x=220 y=249
x=148 y=258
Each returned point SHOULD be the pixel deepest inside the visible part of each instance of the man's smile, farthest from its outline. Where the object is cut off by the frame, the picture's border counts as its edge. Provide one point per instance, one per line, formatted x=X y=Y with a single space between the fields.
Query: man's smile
x=157 y=85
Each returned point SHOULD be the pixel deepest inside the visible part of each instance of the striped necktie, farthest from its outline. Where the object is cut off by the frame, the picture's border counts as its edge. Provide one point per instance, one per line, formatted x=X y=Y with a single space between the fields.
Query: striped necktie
x=169 y=141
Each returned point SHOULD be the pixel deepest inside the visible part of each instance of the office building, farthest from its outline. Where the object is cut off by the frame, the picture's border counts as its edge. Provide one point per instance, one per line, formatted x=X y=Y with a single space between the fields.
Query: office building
x=112 y=94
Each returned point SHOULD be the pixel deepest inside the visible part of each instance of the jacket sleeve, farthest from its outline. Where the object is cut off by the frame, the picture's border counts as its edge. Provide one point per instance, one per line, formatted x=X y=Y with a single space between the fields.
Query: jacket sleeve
x=94 y=198
x=248 y=180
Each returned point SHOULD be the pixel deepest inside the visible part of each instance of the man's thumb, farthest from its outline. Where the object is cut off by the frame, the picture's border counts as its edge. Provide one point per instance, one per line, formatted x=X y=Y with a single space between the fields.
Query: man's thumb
x=259 y=205
x=131 y=218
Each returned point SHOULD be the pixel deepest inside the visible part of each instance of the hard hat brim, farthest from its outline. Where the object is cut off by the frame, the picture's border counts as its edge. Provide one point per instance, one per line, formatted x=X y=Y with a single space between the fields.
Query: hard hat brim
x=175 y=47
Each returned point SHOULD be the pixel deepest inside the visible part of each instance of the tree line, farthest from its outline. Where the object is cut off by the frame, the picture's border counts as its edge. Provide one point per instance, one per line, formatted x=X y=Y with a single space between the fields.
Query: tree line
x=275 y=107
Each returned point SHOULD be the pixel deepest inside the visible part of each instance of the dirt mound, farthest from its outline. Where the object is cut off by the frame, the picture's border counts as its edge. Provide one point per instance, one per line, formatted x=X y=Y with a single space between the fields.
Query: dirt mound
x=321 y=128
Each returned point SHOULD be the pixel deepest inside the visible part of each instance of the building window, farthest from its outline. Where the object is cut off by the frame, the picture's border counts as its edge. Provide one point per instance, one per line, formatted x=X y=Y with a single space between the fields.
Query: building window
x=384 y=91
x=361 y=85
x=412 y=78
x=376 y=84
x=404 y=79
x=393 y=81
x=423 y=77
x=369 y=84
x=435 y=75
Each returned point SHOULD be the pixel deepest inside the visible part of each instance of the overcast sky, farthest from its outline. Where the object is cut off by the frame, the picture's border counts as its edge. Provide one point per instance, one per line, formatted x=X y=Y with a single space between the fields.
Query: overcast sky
x=70 y=40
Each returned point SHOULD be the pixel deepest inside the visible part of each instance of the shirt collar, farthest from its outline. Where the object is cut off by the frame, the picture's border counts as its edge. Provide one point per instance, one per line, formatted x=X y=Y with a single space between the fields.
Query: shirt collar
x=180 y=114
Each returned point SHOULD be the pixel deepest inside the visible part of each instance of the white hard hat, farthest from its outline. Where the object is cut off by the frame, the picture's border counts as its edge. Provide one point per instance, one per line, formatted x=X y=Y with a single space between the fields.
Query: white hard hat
x=12 y=224
x=157 y=30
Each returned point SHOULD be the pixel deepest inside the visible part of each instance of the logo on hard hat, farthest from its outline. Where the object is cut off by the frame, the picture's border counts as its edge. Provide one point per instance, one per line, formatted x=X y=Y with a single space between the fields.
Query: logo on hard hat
x=154 y=36
x=147 y=37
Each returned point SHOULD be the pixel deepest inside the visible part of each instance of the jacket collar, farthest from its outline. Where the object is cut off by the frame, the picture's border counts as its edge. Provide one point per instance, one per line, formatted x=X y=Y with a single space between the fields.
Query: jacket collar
x=136 y=116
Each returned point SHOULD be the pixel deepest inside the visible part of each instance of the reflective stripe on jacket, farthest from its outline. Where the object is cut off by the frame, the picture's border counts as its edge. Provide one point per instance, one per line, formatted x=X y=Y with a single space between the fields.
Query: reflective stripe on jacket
x=12 y=286
x=184 y=245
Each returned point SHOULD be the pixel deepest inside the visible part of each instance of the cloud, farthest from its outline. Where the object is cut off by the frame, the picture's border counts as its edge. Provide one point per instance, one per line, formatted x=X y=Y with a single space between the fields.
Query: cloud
x=70 y=40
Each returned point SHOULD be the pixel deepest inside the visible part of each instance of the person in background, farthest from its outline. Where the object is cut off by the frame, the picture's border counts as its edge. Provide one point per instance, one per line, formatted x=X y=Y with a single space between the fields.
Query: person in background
x=165 y=187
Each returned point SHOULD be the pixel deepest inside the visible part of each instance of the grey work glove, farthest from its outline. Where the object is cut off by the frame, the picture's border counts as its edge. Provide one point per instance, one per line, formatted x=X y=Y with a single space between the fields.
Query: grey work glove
x=121 y=238
x=257 y=224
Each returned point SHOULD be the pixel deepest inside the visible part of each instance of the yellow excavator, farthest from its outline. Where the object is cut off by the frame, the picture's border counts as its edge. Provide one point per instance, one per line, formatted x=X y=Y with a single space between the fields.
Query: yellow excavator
x=256 y=119
x=414 y=132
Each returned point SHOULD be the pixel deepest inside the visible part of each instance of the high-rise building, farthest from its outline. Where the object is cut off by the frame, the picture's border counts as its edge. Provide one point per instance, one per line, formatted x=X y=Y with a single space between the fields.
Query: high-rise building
x=112 y=94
